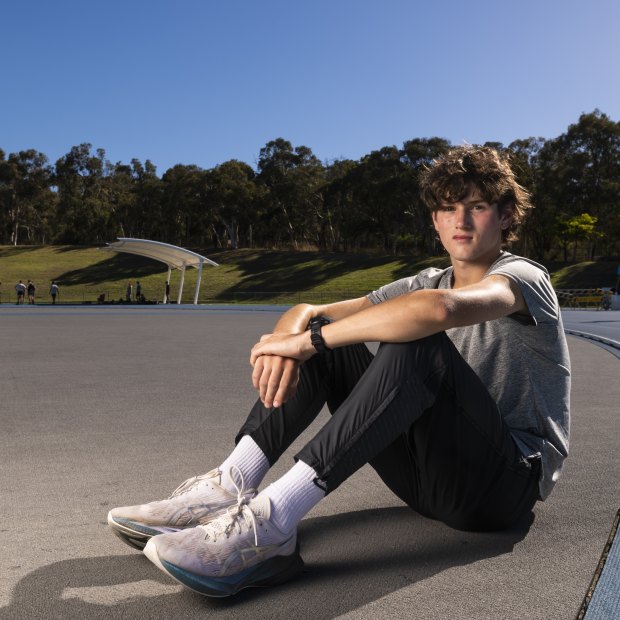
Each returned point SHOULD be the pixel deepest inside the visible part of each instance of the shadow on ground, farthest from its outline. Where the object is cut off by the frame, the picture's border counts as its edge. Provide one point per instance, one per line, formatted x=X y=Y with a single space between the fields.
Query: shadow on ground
x=351 y=560
x=300 y=271
x=114 y=268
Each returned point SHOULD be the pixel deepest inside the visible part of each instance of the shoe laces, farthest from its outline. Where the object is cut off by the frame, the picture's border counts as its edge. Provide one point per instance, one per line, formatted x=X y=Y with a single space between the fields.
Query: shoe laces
x=189 y=484
x=235 y=516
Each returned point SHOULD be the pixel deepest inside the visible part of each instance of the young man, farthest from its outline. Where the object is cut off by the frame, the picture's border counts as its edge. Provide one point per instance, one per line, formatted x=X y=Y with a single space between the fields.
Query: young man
x=463 y=412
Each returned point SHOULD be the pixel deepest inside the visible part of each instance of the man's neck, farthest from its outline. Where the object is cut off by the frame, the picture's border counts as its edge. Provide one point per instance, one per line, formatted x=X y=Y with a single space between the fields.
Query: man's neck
x=465 y=273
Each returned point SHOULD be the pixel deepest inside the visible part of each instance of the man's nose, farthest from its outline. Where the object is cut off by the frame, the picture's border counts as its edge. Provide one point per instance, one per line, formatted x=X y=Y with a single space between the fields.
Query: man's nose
x=463 y=218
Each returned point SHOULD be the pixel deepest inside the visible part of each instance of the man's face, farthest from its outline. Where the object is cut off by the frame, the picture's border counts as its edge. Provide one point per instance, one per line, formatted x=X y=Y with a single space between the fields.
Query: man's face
x=471 y=229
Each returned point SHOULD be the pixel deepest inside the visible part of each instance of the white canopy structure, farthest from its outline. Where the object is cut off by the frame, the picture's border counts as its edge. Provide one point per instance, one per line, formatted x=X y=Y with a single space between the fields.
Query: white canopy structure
x=172 y=255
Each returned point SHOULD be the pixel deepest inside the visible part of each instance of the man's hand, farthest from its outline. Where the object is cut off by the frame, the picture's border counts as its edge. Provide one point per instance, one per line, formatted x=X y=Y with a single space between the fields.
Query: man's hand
x=276 y=360
x=275 y=378
x=277 y=357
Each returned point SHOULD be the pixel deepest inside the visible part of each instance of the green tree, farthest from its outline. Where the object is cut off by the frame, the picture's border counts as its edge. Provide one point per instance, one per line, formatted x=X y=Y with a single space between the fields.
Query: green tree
x=525 y=163
x=588 y=172
x=293 y=179
x=417 y=155
x=26 y=200
x=383 y=195
x=579 y=229
x=186 y=217
x=84 y=207
x=134 y=192
x=147 y=219
x=339 y=208
x=232 y=197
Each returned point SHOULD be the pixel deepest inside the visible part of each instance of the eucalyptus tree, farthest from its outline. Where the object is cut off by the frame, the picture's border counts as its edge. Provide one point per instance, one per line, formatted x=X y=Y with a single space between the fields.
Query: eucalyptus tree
x=293 y=178
x=134 y=192
x=382 y=197
x=122 y=196
x=147 y=219
x=577 y=173
x=26 y=200
x=339 y=207
x=85 y=211
x=233 y=198
x=589 y=167
x=417 y=154
x=186 y=218
x=524 y=158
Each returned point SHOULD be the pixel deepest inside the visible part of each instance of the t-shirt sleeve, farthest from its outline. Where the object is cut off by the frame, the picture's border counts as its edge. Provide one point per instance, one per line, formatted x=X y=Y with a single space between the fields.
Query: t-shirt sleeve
x=535 y=286
x=425 y=279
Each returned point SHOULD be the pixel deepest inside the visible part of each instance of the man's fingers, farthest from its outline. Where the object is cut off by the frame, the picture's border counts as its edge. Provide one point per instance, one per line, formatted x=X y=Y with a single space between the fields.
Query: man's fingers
x=257 y=372
x=275 y=378
x=288 y=383
x=271 y=384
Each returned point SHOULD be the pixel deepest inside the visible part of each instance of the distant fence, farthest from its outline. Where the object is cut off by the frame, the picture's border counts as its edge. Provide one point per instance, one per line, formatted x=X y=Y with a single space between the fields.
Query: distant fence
x=107 y=296
x=585 y=298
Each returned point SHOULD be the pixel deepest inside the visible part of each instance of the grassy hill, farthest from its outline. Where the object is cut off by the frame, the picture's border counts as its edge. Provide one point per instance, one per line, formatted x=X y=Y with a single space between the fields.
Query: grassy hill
x=83 y=273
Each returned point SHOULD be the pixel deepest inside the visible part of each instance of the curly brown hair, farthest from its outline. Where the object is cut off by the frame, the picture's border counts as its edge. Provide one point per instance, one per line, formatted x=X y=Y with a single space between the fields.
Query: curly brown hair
x=450 y=176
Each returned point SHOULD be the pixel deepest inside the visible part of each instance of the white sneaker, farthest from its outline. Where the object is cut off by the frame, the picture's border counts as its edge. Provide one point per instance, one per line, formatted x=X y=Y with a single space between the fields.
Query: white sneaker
x=196 y=501
x=240 y=549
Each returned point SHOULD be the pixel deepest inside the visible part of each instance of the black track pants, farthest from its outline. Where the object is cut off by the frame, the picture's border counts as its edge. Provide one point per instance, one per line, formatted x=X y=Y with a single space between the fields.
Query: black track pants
x=421 y=417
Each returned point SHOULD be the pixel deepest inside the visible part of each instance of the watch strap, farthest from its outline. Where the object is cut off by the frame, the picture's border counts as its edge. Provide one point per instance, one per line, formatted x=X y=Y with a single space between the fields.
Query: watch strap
x=316 y=336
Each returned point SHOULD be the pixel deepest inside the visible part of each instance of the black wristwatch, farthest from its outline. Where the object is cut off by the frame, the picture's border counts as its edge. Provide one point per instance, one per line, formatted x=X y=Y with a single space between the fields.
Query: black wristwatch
x=316 y=337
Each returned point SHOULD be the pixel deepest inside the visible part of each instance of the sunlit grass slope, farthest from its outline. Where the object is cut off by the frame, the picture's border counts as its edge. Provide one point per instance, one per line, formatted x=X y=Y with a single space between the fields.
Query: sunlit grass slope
x=83 y=273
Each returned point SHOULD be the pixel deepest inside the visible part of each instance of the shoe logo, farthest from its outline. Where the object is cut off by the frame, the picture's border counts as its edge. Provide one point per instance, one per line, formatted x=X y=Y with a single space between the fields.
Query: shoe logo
x=247 y=556
x=193 y=515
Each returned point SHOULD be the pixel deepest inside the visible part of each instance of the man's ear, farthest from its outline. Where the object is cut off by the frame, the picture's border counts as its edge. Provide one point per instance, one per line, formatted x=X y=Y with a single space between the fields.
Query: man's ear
x=508 y=213
x=434 y=216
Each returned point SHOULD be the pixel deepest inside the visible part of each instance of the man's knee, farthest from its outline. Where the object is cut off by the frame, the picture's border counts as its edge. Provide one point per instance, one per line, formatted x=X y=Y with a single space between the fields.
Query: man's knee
x=424 y=352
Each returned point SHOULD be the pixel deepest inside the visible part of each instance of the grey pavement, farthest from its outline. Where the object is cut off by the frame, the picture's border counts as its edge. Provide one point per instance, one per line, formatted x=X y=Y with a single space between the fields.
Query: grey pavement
x=106 y=406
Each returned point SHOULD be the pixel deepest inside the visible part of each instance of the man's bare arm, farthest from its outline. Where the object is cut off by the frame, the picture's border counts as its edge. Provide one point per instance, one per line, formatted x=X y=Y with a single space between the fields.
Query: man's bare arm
x=426 y=312
x=296 y=319
x=408 y=317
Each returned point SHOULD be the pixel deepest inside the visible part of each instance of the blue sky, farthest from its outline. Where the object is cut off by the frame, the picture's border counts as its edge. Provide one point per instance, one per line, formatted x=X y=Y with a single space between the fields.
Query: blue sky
x=204 y=81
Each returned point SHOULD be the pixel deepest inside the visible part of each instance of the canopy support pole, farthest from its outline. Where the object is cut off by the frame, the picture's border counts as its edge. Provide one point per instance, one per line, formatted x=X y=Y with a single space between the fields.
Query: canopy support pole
x=198 y=278
x=166 y=300
x=181 y=285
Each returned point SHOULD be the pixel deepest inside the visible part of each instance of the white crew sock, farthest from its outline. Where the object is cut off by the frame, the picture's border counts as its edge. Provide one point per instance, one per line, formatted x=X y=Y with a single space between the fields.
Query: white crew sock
x=293 y=496
x=250 y=460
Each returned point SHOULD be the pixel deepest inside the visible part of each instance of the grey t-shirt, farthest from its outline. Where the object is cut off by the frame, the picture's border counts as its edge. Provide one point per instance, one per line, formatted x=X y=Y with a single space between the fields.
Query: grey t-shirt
x=523 y=361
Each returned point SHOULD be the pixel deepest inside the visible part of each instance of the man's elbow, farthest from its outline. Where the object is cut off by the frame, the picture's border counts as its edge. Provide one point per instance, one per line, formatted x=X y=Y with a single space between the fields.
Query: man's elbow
x=438 y=309
x=444 y=312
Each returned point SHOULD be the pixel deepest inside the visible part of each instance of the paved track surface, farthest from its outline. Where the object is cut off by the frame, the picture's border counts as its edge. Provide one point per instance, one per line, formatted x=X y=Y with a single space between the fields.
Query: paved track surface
x=599 y=322
x=109 y=406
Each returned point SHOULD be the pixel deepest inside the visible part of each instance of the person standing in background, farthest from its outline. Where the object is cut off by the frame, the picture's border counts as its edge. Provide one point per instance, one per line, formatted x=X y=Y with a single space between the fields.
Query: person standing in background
x=20 y=288
x=31 y=288
x=54 y=290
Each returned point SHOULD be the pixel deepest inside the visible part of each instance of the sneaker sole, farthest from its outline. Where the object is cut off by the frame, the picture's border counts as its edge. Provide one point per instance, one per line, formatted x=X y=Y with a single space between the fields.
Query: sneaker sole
x=271 y=572
x=135 y=534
